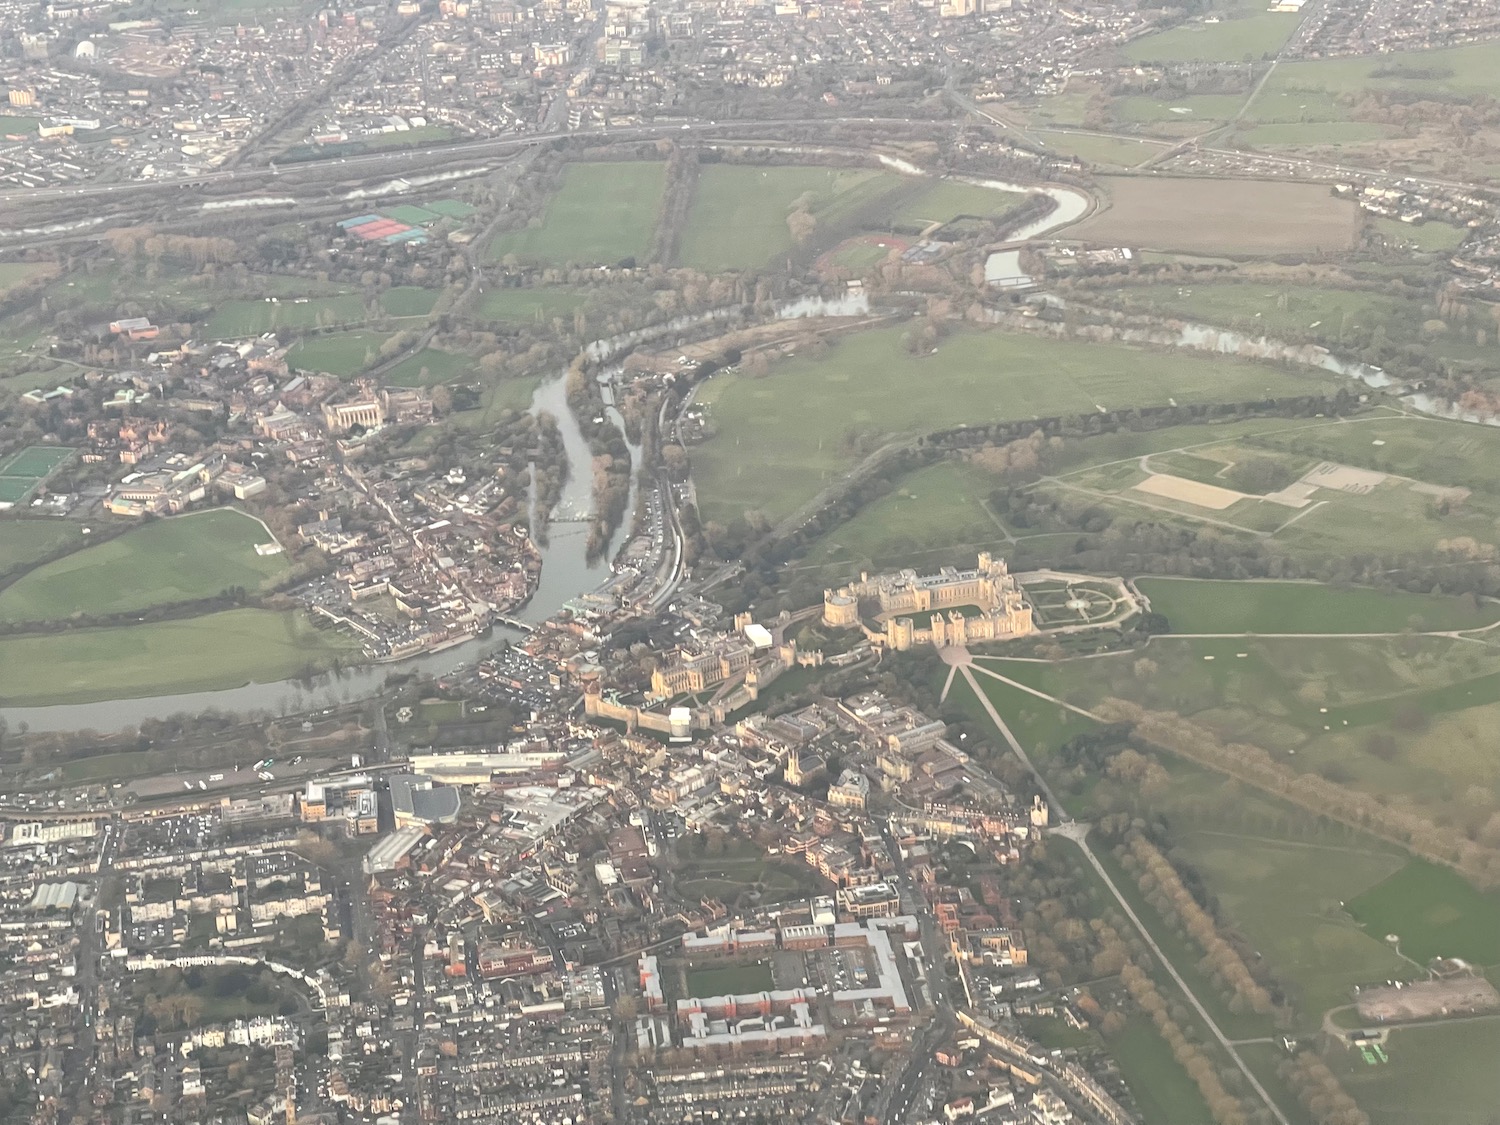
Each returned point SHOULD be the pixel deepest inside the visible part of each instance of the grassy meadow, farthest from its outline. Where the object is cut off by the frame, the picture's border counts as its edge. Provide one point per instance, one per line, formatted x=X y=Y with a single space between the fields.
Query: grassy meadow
x=160 y=563
x=780 y=438
x=220 y=650
x=739 y=213
x=602 y=213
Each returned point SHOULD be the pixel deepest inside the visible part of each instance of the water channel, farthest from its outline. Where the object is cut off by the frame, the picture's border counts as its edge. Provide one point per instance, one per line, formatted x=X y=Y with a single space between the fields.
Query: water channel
x=567 y=571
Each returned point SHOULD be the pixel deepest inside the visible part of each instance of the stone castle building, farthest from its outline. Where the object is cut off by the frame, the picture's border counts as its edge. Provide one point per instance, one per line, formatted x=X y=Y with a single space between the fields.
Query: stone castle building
x=897 y=599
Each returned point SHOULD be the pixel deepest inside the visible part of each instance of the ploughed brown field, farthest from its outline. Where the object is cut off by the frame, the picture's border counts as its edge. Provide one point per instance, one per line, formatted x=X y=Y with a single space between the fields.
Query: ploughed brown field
x=1220 y=216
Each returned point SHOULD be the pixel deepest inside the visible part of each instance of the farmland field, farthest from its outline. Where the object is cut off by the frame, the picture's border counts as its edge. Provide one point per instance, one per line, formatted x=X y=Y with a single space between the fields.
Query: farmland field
x=1221 y=216
x=603 y=213
x=1194 y=606
x=220 y=650
x=160 y=563
x=337 y=353
x=1435 y=912
x=739 y=213
x=780 y=438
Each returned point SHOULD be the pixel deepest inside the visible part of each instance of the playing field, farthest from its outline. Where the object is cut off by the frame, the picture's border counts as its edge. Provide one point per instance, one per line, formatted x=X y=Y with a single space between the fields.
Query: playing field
x=739 y=213
x=26 y=469
x=537 y=306
x=408 y=301
x=160 y=563
x=729 y=980
x=254 y=317
x=1293 y=310
x=1242 y=30
x=1121 y=152
x=603 y=213
x=428 y=367
x=337 y=353
x=1434 y=912
x=221 y=650
x=1194 y=606
x=1221 y=216
x=783 y=437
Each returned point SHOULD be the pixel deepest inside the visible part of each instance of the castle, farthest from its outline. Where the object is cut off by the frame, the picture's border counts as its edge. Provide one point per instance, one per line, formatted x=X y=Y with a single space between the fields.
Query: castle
x=989 y=587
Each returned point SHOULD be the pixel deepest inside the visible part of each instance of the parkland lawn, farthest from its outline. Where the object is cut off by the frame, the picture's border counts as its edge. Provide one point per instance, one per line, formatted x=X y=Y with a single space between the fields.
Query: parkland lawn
x=602 y=214
x=23 y=542
x=160 y=563
x=1193 y=606
x=739 y=214
x=781 y=438
x=220 y=650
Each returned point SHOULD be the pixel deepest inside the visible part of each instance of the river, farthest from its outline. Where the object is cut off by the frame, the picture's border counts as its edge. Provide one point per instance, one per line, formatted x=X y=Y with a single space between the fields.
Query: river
x=566 y=569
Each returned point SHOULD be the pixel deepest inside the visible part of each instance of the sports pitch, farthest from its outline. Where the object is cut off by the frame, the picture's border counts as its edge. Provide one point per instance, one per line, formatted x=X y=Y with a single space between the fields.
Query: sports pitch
x=26 y=469
x=602 y=213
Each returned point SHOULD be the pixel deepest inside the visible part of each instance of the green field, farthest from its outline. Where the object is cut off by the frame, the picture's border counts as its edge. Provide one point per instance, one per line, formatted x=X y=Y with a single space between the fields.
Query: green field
x=603 y=213
x=537 y=306
x=781 y=438
x=1436 y=1076
x=1284 y=896
x=35 y=461
x=160 y=563
x=338 y=353
x=1195 y=108
x=1245 y=31
x=1194 y=606
x=729 y=980
x=1430 y=237
x=14 y=273
x=22 y=542
x=1122 y=152
x=1426 y=449
x=1163 y=1091
x=1435 y=912
x=1293 y=310
x=255 y=317
x=936 y=510
x=221 y=650
x=408 y=301
x=1303 y=134
x=946 y=200
x=739 y=213
x=428 y=367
